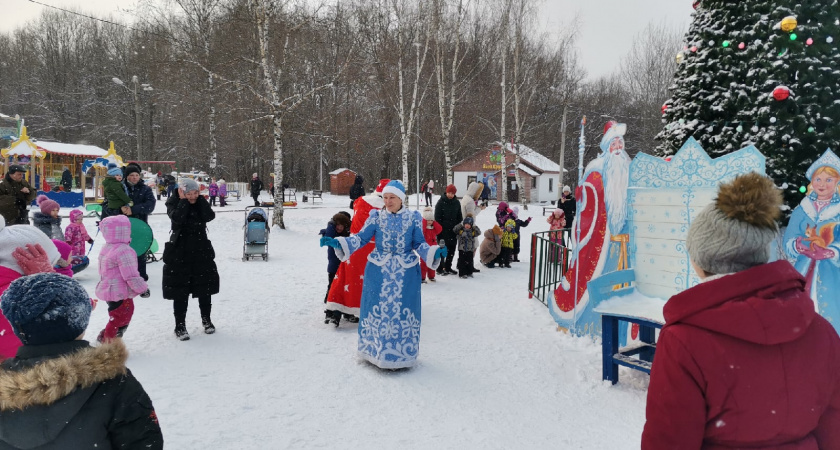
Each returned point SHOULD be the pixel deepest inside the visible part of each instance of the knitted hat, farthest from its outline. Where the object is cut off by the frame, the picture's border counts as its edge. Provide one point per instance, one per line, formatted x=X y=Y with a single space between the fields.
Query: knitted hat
x=132 y=168
x=46 y=308
x=515 y=211
x=188 y=185
x=497 y=231
x=254 y=175
x=567 y=189
x=16 y=168
x=428 y=214
x=469 y=220
x=47 y=206
x=503 y=206
x=510 y=223
x=18 y=236
x=75 y=214
x=734 y=232
x=558 y=213
x=395 y=187
x=451 y=189
x=382 y=183
x=114 y=170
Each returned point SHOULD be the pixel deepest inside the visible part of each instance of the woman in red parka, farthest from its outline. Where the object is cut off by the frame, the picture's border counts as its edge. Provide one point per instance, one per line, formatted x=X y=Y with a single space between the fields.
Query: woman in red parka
x=743 y=360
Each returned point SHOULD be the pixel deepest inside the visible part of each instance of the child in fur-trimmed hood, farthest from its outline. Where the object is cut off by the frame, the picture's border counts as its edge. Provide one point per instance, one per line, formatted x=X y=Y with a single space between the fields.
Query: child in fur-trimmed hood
x=58 y=391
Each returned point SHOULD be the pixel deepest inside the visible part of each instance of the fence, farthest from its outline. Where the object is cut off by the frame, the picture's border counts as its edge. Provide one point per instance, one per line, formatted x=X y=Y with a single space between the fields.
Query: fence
x=549 y=261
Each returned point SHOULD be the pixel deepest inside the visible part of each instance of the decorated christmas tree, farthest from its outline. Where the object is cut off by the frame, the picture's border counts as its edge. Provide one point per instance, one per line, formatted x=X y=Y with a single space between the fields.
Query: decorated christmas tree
x=765 y=73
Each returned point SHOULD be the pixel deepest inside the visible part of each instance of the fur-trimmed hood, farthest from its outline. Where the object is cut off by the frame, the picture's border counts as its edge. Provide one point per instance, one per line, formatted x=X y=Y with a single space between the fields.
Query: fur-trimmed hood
x=50 y=380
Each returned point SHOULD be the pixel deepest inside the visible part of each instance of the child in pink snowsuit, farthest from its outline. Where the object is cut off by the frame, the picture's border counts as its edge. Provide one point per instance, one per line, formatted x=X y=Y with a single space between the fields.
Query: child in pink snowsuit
x=120 y=281
x=430 y=231
x=557 y=221
x=76 y=234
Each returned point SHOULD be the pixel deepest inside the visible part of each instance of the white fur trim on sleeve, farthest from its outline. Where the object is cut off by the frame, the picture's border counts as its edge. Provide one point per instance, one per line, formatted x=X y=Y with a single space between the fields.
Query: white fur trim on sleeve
x=431 y=261
x=342 y=253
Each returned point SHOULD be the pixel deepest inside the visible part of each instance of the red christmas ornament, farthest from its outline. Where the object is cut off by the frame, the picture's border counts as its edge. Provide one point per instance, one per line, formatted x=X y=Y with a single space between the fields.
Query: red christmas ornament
x=696 y=4
x=781 y=93
x=664 y=108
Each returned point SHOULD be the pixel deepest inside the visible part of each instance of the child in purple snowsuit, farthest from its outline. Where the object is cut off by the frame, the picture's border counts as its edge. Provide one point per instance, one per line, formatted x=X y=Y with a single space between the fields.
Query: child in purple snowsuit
x=222 y=192
x=213 y=190
x=120 y=280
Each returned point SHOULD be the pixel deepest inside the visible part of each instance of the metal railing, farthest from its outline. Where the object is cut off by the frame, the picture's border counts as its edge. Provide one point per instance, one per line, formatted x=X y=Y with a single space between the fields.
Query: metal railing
x=549 y=261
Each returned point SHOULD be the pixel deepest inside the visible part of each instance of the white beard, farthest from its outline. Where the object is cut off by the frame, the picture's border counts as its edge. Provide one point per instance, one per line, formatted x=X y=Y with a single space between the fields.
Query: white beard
x=617 y=173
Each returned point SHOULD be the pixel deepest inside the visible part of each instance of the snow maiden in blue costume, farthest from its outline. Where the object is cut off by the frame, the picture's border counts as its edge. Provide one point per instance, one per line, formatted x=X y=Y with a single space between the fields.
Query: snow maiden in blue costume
x=389 y=317
x=811 y=236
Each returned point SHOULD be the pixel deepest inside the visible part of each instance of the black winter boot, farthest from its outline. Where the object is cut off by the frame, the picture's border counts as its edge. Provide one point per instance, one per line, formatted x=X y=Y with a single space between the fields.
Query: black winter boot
x=208 y=325
x=181 y=331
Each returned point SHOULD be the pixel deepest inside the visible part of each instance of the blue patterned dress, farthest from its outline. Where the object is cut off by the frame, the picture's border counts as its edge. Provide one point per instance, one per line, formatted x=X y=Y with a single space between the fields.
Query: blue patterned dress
x=824 y=274
x=389 y=317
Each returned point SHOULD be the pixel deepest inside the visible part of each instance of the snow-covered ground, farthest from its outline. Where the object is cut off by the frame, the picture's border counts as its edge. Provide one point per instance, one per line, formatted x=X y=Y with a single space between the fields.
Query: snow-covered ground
x=493 y=371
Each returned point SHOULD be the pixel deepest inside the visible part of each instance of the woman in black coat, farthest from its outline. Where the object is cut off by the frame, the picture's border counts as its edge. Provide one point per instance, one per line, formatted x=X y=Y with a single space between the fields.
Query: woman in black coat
x=188 y=258
x=357 y=190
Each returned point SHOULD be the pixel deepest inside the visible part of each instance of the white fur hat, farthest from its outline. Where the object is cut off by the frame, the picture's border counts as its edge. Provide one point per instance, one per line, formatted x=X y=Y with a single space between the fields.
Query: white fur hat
x=15 y=236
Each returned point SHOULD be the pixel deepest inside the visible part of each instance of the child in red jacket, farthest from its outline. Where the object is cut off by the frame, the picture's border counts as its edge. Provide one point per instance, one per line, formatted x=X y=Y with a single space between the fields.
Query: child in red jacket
x=430 y=231
x=743 y=360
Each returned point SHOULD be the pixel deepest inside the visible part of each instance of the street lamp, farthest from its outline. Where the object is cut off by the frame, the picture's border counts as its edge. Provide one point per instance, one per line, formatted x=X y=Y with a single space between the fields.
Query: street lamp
x=137 y=118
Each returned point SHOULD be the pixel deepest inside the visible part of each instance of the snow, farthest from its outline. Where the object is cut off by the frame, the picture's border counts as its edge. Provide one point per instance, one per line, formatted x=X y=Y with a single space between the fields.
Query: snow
x=71 y=149
x=634 y=304
x=493 y=371
x=338 y=171
x=537 y=160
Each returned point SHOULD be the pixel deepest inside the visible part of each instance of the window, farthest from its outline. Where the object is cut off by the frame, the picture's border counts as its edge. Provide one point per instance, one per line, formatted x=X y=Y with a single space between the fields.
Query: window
x=533 y=182
x=551 y=185
x=470 y=179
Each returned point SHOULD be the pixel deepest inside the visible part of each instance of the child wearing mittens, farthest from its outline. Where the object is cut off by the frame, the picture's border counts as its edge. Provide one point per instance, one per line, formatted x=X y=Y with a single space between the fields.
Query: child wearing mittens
x=48 y=220
x=120 y=281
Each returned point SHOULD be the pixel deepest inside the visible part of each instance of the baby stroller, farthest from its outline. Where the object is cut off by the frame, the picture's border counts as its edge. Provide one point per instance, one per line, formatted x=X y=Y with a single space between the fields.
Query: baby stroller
x=256 y=234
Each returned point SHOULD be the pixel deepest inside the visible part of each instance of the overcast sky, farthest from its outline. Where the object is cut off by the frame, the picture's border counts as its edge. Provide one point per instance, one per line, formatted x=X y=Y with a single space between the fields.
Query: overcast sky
x=607 y=27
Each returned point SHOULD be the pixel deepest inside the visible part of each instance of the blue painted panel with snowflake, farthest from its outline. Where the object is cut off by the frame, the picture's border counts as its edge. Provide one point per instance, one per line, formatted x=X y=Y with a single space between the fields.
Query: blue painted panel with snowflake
x=663 y=199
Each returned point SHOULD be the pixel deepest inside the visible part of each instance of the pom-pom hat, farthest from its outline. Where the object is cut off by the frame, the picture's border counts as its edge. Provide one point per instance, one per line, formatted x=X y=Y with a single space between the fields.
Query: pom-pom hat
x=114 y=170
x=46 y=308
x=395 y=187
x=18 y=236
x=46 y=204
x=428 y=214
x=734 y=232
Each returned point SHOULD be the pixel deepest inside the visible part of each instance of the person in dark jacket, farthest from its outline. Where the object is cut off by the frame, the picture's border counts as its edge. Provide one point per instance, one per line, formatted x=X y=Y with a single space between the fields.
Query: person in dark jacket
x=357 y=190
x=519 y=224
x=188 y=258
x=744 y=360
x=466 y=233
x=256 y=187
x=66 y=180
x=15 y=196
x=339 y=225
x=448 y=214
x=58 y=392
x=144 y=202
x=568 y=204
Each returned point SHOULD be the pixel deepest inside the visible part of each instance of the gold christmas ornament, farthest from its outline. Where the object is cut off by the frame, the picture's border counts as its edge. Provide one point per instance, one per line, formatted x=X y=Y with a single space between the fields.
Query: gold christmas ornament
x=680 y=57
x=789 y=24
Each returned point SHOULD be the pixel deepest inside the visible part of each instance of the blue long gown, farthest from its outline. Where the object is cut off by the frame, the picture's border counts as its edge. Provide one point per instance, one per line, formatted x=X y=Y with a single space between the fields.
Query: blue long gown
x=389 y=316
x=826 y=273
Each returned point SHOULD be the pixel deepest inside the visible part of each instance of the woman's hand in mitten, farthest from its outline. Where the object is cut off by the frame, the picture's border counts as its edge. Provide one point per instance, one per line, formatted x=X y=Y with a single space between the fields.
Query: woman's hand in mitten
x=32 y=259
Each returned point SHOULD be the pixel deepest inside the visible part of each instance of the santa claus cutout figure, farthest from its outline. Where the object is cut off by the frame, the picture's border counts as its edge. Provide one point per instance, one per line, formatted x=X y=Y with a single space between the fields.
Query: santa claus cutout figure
x=599 y=230
x=346 y=290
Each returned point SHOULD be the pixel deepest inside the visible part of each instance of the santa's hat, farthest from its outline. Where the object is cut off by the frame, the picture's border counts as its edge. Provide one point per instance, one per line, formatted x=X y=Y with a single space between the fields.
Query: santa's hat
x=382 y=183
x=612 y=130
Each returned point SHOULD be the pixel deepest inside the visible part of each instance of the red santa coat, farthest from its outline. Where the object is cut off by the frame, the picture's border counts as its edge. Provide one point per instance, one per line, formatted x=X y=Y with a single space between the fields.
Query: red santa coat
x=744 y=361
x=346 y=290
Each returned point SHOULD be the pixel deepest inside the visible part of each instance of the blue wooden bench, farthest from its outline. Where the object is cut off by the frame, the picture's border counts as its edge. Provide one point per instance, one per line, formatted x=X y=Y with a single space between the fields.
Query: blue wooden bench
x=638 y=356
